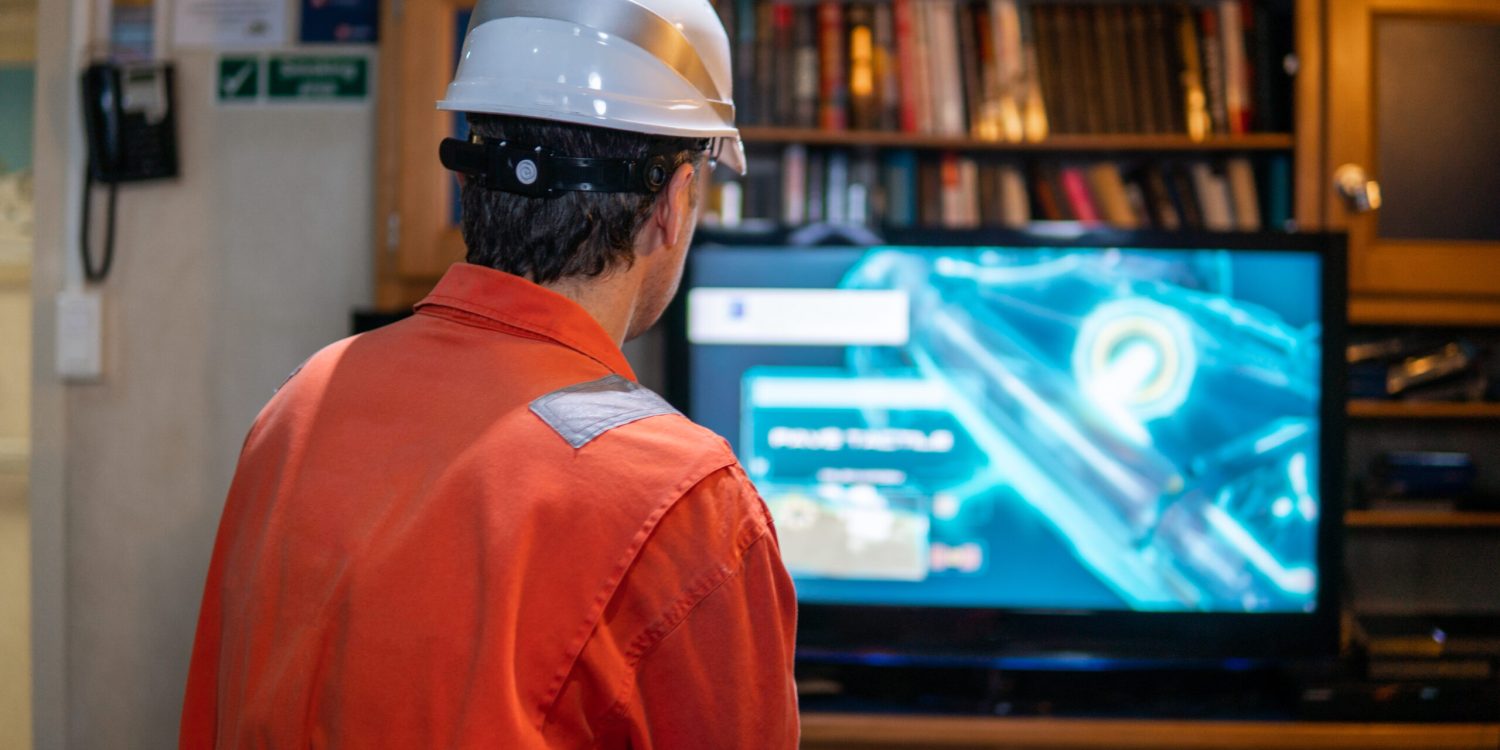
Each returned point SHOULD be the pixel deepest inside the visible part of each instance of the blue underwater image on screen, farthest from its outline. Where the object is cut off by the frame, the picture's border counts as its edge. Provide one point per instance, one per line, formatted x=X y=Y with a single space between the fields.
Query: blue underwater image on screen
x=1023 y=428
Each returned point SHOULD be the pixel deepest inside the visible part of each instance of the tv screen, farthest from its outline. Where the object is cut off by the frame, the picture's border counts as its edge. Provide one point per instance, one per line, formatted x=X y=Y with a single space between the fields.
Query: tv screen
x=1006 y=428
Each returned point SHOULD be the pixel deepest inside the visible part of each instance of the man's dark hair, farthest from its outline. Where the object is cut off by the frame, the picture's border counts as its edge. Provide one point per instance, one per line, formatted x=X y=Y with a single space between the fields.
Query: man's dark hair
x=576 y=233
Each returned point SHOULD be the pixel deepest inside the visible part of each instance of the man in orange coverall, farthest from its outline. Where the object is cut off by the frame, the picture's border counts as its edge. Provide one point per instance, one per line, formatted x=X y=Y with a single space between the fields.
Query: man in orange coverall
x=473 y=529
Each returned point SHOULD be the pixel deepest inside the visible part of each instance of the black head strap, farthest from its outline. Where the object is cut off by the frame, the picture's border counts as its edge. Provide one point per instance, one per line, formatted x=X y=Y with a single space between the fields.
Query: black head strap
x=540 y=173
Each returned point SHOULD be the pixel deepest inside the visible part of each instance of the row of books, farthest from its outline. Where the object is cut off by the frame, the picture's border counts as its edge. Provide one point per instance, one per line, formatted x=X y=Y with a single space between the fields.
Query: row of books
x=903 y=188
x=1012 y=70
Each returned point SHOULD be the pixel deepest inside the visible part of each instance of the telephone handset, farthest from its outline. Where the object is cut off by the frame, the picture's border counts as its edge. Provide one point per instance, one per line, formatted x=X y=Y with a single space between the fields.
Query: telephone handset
x=130 y=115
x=132 y=125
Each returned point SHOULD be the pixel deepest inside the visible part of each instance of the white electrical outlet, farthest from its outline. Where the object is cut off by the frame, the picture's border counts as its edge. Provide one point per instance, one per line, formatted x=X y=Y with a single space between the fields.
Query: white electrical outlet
x=80 y=335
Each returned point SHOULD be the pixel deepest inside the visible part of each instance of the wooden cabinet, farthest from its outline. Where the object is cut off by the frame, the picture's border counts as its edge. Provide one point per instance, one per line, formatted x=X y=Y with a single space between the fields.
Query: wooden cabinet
x=416 y=231
x=1413 y=96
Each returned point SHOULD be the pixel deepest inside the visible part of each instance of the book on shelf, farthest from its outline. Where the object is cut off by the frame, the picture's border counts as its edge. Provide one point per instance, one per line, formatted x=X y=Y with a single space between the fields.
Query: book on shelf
x=956 y=190
x=1012 y=70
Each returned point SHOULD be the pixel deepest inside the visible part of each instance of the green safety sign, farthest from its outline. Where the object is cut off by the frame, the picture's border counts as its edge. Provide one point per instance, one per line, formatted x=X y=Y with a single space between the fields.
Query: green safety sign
x=317 y=78
x=239 y=79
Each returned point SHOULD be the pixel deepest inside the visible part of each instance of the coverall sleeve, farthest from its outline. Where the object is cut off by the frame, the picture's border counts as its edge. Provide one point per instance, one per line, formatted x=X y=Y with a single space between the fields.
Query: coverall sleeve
x=722 y=678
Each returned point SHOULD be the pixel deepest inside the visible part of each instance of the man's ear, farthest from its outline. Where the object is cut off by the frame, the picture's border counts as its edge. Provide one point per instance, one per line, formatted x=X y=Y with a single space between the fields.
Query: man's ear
x=676 y=205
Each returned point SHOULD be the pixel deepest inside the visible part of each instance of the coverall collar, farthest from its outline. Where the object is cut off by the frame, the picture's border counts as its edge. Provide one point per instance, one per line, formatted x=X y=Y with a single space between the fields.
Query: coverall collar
x=506 y=301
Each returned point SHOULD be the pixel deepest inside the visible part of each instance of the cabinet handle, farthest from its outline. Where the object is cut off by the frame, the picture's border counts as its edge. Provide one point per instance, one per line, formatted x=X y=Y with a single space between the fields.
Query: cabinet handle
x=1360 y=193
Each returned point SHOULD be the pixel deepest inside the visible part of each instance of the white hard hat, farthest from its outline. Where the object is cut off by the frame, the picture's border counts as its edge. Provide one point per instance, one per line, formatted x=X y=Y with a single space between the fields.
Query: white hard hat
x=660 y=67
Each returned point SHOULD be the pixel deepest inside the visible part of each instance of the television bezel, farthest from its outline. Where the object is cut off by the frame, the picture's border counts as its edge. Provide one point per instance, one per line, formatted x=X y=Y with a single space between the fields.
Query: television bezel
x=1084 y=638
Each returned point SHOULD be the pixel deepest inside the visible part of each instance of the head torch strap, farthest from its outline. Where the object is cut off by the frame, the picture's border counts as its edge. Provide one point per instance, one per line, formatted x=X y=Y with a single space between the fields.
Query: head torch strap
x=538 y=173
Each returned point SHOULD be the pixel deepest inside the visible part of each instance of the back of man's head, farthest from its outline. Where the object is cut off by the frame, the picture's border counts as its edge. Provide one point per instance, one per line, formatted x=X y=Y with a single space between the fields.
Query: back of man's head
x=574 y=234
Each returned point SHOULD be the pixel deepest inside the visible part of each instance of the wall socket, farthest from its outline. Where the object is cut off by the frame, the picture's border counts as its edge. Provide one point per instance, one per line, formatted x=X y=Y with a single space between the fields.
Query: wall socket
x=80 y=336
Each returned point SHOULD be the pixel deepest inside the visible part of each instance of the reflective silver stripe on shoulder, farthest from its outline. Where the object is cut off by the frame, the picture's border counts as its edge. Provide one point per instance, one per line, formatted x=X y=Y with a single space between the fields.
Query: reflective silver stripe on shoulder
x=580 y=413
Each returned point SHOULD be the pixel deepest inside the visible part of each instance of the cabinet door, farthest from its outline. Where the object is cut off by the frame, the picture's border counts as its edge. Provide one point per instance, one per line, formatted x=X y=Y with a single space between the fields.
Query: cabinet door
x=1414 y=101
x=417 y=222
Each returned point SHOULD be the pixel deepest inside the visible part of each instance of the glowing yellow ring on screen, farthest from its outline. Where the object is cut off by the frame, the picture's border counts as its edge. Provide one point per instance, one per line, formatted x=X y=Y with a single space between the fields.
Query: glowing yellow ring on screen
x=1119 y=333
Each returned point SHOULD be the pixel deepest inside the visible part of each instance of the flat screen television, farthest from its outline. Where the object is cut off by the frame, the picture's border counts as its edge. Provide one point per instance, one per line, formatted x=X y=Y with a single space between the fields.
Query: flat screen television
x=990 y=446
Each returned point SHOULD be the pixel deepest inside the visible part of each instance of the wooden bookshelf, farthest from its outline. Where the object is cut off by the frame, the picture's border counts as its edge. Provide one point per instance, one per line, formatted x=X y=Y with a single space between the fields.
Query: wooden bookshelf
x=1421 y=519
x=1423 y=410
x=1058 y=143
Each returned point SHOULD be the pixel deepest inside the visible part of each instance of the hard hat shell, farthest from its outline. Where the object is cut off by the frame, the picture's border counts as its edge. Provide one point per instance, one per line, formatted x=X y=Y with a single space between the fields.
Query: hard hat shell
x=660 y=67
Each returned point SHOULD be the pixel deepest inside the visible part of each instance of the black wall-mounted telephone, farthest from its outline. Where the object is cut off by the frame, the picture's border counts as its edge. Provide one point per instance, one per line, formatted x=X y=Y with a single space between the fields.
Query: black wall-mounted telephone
x=130 y=114
x=131 y=120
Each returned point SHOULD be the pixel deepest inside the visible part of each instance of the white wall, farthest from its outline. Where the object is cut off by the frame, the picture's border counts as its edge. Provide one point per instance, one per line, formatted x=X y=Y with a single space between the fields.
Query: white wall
x=226 y=279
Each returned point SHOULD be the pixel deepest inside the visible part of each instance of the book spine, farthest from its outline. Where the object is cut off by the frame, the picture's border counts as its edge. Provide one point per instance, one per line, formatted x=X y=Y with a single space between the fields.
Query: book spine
x=970 y=61
x=783 y=62
x=1117 y=70
x=817 y=180
x=900 y=188
x=864 y=107
x=929 y=193
x=1089 y=58
x=1167 y=89
x=949 y=82
x=1048 y=71
x=807 y=85
x=1109 y=188
x=744 y=57
x=837 y=188
x=1136 y=198
x=1016 y=203
x=1145 y=81
x=764 y=102
x=864 y=184
x=1185 y=197
x=991 y=202
x=1246 y=201
x=1236 y=92
x=1048 y=202
x=794 y=185
x=731 y=200
x=906 y=64
x=1164 y=213
x=1197 y=120
x=968 y=174
x=1034 y=107
x=1106 y=70
x=887 y=84
x=922 y=47
x=1213 y=69
x=1213 y=198
x=1278 y=191
x=1076 y=186
x=834 y=93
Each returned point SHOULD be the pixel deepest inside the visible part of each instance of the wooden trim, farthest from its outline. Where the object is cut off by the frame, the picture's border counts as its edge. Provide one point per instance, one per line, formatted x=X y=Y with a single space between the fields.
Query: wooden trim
x=428 y=243
x=1426 y=267
x=897 y=139
x=1311 y=102
x=387 y=165
x=863 y=731
x=1423 y=519
x=1367 y=309
x=1423 y=410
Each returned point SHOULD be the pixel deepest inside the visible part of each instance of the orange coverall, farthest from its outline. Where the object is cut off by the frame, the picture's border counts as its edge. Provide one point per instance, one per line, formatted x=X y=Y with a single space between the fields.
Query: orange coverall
x=414 y=554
